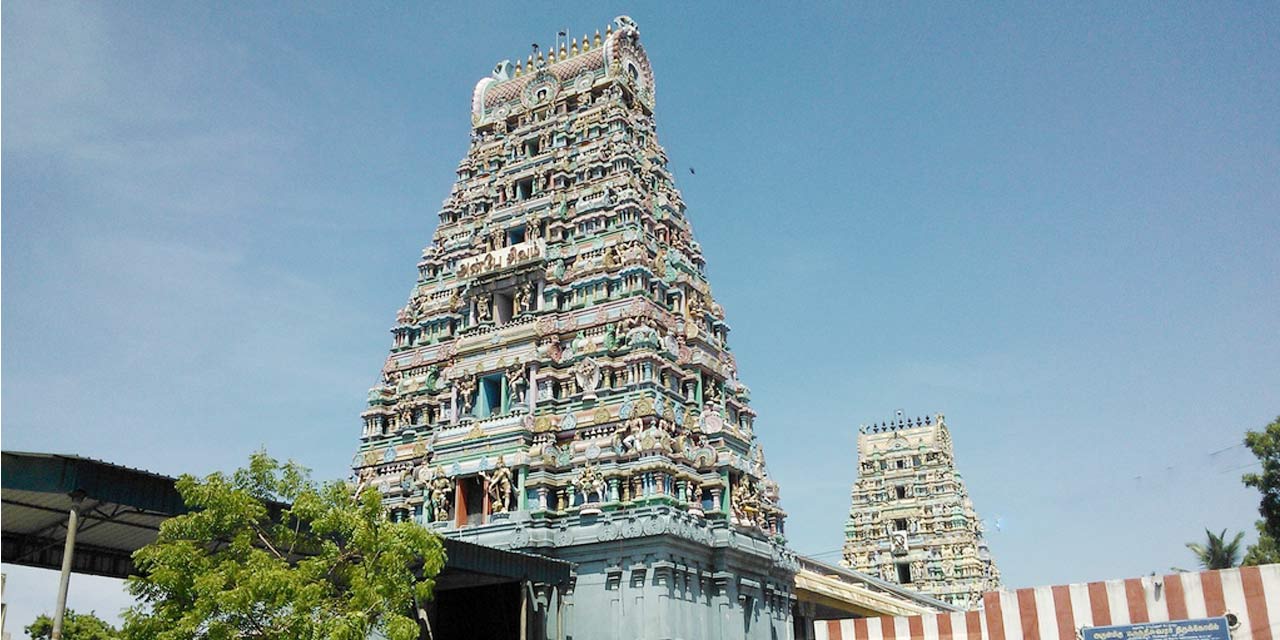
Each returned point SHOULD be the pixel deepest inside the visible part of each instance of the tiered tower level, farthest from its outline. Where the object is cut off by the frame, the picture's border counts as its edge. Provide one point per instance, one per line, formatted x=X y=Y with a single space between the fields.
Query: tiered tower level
x=912 y=521
x=560 y=380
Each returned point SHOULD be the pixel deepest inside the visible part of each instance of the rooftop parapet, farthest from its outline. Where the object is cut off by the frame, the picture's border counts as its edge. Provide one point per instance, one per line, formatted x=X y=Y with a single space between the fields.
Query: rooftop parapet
x=571 y=66
x=901 y=423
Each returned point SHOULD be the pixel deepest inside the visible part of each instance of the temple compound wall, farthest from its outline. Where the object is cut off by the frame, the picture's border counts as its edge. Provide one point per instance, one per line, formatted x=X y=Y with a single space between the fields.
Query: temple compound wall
x=560 y=380
x=911 y=520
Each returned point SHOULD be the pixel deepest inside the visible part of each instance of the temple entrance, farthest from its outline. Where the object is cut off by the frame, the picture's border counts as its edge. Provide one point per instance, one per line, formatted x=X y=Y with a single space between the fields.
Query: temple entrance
x=480 y=612
x=470 y=502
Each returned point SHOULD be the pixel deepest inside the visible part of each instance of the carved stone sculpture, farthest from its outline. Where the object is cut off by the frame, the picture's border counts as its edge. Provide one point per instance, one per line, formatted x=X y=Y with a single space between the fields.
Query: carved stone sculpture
x=441 y=494
x=498 y=484
x=745 y=503
x=484 y=309
x=516 y=382
x=466 y=392
x=587 y=375
x=591 y=485
x=522 y=299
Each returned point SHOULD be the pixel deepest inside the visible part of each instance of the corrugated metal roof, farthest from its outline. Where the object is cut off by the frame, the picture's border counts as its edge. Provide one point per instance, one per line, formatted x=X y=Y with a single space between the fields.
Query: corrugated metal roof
x=100 y=481
x=123 y=508
x=474 y=558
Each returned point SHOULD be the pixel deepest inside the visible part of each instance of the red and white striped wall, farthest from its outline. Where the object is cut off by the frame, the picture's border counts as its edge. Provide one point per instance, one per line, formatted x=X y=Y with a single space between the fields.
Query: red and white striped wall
x=1054 y=613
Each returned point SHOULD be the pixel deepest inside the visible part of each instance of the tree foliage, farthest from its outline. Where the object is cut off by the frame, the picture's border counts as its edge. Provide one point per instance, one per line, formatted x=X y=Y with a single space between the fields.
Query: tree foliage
x=326 y=564
x=1266 y=445
x=75 y=626
x=1217 y=553
x=1264 y=552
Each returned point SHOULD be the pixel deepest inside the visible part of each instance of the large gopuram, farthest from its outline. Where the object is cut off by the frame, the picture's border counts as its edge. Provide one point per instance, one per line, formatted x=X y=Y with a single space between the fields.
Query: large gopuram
x=560 y=381
x=912 y=521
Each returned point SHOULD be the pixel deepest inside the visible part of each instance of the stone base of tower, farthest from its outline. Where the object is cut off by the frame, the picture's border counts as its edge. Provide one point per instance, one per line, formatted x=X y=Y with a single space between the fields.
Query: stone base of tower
x=655 y=572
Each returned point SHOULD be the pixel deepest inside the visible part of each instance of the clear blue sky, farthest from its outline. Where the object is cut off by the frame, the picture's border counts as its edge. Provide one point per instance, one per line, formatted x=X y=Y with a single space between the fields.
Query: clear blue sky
x=1056 y=225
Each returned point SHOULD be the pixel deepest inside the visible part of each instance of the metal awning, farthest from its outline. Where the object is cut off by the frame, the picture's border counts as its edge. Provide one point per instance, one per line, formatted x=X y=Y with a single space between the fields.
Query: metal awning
x=121 y=512
x=470 y=564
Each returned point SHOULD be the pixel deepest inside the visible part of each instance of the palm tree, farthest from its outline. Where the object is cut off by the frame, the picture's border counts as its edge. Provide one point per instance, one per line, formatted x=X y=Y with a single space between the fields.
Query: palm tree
x=1218 y=553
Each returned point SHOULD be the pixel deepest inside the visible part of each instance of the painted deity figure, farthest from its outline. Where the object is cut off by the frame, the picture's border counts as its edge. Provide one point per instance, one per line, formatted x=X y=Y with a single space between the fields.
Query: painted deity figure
x=516 y=381
x=745 y=503
x=498 y=484
x=587 y=373
x=611 y=257
x=422 y=475
x=625 y=438
x=549 y=348
x=590 y=483
x=420 y=306
x=364 y=479
x=441 y=490
x=484 y=309
x=887 y=573
x=680 y=444
x=660 y=262
x=407 y=407
x=406 y=315
x=758 y=462
x=711 y=396
x=466 y=392
x=695 y=308
x=523 y=297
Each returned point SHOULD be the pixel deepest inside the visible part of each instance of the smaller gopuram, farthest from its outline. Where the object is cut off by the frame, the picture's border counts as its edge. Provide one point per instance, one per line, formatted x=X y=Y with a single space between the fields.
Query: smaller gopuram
x=912 y=521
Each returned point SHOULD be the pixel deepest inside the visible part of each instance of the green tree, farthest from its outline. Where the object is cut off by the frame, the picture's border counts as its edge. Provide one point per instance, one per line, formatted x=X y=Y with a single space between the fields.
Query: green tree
x=1265 y=444
x=1264 y=552
x=1217 y=553
x=327 y=564
x=75 y=626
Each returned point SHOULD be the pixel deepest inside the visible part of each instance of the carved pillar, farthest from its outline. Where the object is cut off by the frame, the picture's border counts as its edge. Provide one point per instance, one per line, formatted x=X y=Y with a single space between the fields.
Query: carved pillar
x=532 y=387
x=459 y=503
x=522 y=498
x=453 y=409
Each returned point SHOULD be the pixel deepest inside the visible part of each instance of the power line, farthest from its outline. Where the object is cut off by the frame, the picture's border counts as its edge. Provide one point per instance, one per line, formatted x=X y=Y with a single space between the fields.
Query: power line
x=1234 y=446
x=1243 y=466
x=824 y=553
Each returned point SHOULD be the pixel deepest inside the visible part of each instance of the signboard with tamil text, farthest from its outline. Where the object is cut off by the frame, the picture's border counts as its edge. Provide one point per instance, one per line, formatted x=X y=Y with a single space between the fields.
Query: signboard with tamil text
x=1201 y=629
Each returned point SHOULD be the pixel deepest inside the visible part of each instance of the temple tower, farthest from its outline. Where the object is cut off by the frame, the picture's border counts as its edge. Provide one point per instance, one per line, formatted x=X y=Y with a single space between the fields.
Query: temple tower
x=912 y=521
x=560 y=380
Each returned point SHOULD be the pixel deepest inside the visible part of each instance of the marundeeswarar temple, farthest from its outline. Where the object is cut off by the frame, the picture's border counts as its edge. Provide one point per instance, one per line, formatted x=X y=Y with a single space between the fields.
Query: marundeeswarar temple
x=912 y=521
x=560 y=380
